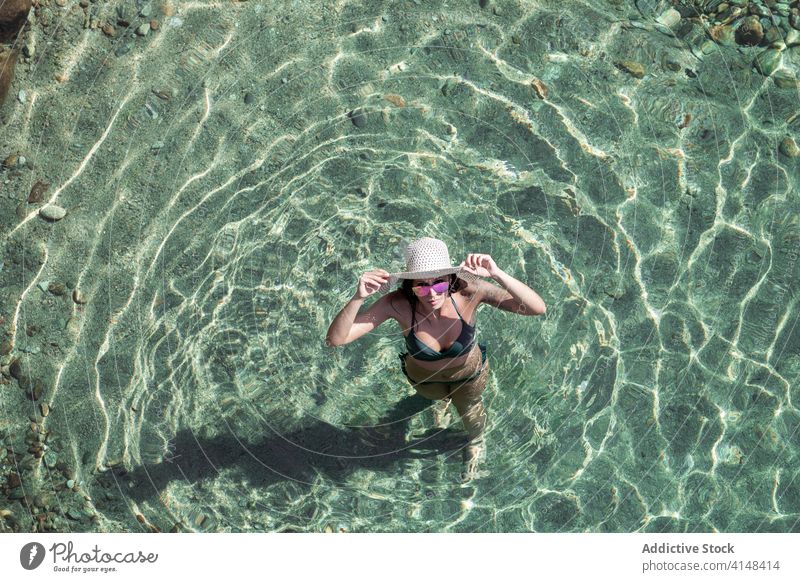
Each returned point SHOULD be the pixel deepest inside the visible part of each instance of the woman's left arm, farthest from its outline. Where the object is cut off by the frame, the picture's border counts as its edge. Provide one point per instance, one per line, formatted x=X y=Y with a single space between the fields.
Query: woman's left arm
x=515 y=296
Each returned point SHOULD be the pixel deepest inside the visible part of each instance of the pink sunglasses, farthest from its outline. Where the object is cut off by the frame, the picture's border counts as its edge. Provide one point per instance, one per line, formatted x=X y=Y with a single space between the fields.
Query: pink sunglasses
x=423 y=290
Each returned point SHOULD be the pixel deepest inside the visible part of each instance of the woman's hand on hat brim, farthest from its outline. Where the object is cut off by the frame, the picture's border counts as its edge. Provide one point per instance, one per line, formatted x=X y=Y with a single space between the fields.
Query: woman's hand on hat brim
x=481 y=265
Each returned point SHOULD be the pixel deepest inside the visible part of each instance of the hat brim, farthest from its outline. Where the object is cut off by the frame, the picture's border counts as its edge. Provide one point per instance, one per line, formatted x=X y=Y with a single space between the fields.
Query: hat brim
x=394 y=278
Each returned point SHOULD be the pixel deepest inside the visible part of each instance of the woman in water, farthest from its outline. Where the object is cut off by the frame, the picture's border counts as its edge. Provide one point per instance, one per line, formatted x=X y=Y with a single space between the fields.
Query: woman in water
x=433 y=306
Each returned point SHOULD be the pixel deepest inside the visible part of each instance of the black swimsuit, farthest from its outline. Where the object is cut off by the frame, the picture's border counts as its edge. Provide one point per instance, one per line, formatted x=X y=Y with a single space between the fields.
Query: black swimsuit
x=421 y=351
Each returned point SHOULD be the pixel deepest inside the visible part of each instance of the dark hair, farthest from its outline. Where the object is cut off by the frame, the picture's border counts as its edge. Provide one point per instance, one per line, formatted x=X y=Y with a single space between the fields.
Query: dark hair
x=456 y=284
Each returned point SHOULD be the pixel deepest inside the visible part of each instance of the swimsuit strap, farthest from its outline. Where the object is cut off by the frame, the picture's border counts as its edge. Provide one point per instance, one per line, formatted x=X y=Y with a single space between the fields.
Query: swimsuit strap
x=457 y=311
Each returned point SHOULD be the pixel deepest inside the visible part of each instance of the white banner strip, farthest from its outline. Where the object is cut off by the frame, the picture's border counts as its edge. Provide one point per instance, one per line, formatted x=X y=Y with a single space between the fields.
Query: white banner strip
x=390 y=557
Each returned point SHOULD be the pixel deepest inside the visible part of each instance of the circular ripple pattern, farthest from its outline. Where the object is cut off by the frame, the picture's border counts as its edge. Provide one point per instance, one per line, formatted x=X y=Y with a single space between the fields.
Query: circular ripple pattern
x=230 y=171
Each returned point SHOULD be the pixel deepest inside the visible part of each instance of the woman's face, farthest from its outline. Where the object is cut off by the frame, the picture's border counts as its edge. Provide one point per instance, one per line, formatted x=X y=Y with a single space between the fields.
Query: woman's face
x=433 y=297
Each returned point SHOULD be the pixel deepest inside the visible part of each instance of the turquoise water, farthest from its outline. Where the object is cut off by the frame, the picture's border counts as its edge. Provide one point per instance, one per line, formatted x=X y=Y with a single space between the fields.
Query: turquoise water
x=222 y=201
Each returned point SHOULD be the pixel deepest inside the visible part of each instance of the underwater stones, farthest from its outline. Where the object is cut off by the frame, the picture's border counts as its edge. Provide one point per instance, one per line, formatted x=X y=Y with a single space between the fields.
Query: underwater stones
x=37 y=191
x=723 y=34
x=13 y=14
x=74 y=514
x=36 y=390
x=631 y=67
x=16 y=368
x=448 y=87
x=785 y=79
x=358 y=117
x=669 y=18
x=650 y=8
x=788 y=147
x=52 y=212
x=50 y=459
x=767 y=62
x=78 y=297
x=57 y=288
x=8 y=60
x=540 y=88
x=750 y=32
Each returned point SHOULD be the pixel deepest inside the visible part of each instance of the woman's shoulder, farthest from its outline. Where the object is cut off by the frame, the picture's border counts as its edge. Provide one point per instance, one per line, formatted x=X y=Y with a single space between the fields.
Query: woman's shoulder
x=397 y=303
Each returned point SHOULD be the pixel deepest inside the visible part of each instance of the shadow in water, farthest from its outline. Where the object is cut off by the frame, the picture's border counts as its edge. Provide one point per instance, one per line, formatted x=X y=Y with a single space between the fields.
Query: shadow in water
x=300 y=455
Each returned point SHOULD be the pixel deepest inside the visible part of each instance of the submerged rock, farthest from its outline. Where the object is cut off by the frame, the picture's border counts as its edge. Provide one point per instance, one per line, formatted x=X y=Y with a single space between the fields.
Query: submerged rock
x=631 y=67
x=789 y=147
x=8 y=60
x=358 y=117
x=750 y=32
x=669 y=18
x=767 y=62
x=53 y=212
x=13 y=14
x=785 y=79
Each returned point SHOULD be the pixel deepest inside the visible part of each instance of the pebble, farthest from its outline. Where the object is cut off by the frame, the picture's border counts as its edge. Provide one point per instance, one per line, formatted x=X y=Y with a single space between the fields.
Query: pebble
x=669 y=18
x=74 y=514
x=109 y=30
x=50 y=459
x=37 y=192
x=70 y=483
x=540 y=88
x=143 y=29
x=43 y=285
x=631 y=67
x=773 y=35
x=52 y=212
x=767 y=62
x=78 y=297
x=789 y=147
x=248 y=98
x=22 y=96
x=785 y=80
x=56 y=288
x=38 y=389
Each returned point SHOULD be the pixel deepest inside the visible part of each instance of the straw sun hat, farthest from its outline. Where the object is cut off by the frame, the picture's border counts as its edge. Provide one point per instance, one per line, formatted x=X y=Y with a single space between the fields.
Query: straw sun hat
x=425 y=258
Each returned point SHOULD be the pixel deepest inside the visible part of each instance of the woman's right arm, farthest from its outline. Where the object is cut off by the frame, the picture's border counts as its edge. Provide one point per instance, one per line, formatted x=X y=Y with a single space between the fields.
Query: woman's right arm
x=349 y=325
